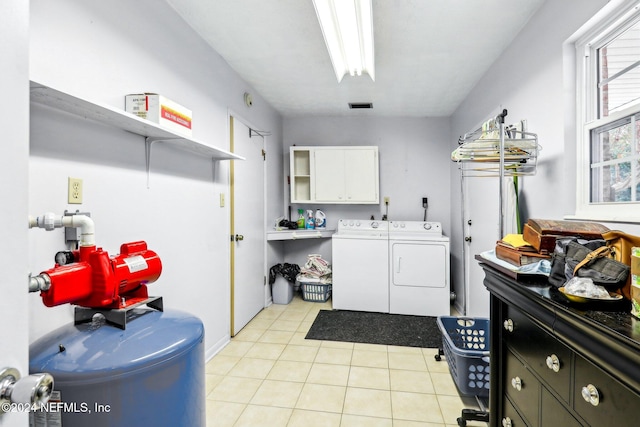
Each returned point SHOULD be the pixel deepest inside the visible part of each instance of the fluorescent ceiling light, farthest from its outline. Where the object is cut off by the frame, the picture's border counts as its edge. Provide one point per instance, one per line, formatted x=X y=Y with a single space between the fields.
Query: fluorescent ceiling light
x=347 y=26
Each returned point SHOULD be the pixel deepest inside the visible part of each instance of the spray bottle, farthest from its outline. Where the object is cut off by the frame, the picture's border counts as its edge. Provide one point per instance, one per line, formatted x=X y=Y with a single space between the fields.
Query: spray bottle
x=301 y=222
x=311 y=220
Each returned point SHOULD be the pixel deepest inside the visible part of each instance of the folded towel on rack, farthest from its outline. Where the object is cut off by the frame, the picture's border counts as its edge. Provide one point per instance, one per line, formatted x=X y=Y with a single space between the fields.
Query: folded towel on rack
x=489 y=150
x=490 y=129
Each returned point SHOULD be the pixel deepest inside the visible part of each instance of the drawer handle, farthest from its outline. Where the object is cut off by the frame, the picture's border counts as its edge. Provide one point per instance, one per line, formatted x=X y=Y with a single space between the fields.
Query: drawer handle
x=508 y=325
x=553 y=363
x=506 y=422
x=590 y=394
x=517 y=383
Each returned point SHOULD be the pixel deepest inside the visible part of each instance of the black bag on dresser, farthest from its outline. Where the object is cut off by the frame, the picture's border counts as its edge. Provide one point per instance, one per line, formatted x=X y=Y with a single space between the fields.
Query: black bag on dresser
x=558 y=276
x=591 y=259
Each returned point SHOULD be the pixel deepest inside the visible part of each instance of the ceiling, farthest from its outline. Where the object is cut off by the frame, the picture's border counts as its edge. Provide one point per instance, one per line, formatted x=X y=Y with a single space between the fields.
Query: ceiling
x=429 y=54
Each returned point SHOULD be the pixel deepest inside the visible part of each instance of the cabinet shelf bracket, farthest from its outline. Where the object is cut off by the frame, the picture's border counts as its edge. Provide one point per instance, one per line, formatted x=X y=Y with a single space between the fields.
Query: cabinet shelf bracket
x=148 y=142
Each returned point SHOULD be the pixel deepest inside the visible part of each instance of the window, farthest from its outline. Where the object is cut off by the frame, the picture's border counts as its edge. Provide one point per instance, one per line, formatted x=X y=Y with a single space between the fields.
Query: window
x=614 y=162
x=608 y=162
x=619 y=71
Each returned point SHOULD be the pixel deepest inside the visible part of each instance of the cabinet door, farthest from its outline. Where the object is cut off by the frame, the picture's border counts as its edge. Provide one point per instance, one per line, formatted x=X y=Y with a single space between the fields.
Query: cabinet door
x=346 y=175
x=329 y=178
x=361 y=175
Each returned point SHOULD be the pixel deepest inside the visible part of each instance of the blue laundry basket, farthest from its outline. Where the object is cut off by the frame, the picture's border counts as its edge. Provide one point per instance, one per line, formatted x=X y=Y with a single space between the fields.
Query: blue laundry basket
x=465 y=343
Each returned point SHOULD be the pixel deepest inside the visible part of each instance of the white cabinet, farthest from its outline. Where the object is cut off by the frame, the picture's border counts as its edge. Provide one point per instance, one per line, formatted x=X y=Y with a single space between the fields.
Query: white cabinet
x=334 y=175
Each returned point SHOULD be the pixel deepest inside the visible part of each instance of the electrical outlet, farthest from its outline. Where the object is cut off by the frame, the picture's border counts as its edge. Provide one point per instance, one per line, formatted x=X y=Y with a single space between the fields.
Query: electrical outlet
x=75 y=191
x=425 y=202
x=386 y=200
x=222 y=200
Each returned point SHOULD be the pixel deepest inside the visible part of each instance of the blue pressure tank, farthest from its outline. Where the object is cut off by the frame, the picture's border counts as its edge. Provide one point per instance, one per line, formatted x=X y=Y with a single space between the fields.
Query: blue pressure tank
x=149 y=374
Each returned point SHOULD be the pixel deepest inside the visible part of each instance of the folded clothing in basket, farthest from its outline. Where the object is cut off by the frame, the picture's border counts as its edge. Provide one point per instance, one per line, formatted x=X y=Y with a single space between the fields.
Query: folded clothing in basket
x=315 y=270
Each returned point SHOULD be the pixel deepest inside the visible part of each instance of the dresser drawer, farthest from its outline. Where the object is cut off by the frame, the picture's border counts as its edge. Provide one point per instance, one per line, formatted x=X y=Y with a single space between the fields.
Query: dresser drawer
x=511 y=417
x=547 y=357
x=553 y=413
x=608 y=402
x=522 y=388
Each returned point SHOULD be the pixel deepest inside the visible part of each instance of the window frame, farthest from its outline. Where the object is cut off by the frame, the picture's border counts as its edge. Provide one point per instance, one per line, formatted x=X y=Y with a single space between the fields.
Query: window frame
x=600 y=32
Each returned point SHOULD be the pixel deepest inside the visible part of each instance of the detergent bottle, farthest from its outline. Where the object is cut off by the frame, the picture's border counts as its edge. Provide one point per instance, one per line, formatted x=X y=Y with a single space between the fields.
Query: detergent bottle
x=311 y=220
x=321 y=219
x=301 y=222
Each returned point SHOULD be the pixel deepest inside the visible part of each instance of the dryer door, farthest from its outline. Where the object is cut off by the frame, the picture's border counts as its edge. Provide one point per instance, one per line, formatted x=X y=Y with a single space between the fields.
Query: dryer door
x=420 y=264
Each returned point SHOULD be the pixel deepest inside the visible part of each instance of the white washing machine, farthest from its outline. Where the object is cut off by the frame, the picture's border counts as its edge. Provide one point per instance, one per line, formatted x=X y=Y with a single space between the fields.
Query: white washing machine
x=418 y=269
x=360 y=265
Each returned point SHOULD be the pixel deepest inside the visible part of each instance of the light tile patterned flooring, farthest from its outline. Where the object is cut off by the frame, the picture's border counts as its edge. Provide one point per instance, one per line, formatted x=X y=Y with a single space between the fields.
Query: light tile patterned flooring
x=270 y=375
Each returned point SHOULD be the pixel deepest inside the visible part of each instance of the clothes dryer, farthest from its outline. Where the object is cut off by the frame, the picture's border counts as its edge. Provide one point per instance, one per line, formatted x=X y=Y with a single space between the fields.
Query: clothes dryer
x=360 y=265
x=418 y=269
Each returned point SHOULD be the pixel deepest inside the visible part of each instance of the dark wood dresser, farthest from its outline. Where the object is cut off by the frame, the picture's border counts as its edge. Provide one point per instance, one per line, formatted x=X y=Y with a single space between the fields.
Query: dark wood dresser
x=559 y=363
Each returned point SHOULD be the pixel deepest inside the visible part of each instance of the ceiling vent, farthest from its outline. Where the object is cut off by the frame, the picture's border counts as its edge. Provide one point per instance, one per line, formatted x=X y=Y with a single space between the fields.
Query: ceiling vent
x=360 y=105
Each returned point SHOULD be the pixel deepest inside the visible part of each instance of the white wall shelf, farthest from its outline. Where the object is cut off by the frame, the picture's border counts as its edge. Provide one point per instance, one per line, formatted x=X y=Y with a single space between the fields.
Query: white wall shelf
x=120 y=119
x=300 y=234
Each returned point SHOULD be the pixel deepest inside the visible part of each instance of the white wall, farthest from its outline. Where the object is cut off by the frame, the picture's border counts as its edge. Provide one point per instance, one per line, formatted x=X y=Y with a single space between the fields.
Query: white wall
x=14 y=86
x=101 y=51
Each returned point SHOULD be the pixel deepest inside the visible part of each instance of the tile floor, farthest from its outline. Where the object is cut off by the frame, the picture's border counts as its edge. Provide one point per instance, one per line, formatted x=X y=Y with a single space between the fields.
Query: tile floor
x=270 y=375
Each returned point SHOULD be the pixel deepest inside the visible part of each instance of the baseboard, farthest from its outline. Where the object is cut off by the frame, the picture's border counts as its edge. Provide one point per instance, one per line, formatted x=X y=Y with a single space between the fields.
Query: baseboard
x=216 y=348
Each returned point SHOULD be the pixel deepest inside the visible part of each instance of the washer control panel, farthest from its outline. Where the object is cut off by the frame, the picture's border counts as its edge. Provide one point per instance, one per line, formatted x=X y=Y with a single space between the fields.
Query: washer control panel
x=362 y=225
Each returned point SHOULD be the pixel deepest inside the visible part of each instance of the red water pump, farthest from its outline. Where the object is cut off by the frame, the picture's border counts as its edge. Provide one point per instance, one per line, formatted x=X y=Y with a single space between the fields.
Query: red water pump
x=89 y=277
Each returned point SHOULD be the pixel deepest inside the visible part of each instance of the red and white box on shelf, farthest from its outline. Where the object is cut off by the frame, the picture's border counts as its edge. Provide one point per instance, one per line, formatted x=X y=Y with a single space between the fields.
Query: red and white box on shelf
x=158 y=109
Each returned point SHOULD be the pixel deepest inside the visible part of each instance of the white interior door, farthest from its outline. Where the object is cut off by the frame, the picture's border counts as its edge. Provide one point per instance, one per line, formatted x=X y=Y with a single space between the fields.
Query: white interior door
x=481 y=228
x=247 y=226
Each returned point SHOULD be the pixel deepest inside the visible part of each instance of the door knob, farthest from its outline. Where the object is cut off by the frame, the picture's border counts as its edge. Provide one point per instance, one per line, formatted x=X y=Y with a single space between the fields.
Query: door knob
x=467 y=239
x=239 y=237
